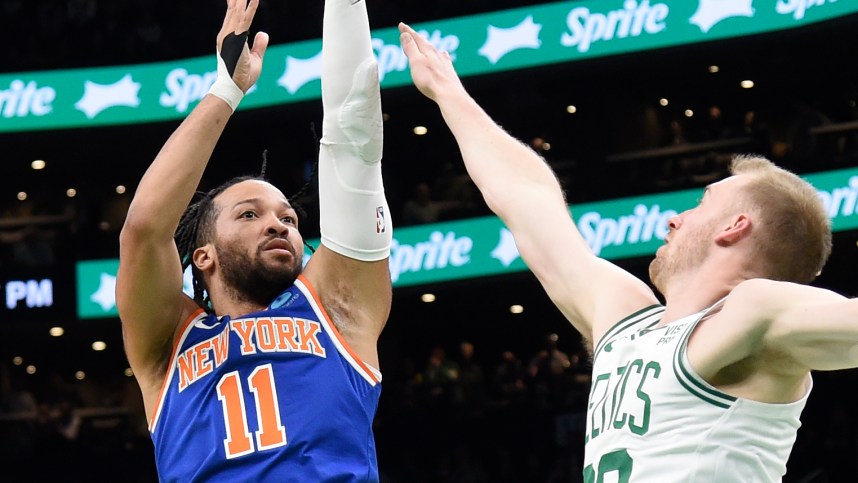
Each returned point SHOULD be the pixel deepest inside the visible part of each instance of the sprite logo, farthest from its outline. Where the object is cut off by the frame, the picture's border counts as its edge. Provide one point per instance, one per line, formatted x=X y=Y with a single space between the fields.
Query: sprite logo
x=841 y=201
x=797 y=8
x=391 y=57
x=642 y=225
x=630 y=21
x=21 y=100
x=440 y=251
x=184 y=88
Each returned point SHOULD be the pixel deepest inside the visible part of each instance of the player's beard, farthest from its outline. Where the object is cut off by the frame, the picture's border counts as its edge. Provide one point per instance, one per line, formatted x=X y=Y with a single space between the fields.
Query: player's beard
x=682 y=257
x=253 y=279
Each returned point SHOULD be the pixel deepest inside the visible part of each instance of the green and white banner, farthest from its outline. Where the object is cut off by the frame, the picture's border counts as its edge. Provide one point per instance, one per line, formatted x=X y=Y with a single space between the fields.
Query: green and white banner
x=479 y=44
x=477 y=247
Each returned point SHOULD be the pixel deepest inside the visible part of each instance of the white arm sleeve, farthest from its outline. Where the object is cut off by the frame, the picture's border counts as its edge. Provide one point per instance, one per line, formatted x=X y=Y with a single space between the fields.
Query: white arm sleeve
x=354 y=216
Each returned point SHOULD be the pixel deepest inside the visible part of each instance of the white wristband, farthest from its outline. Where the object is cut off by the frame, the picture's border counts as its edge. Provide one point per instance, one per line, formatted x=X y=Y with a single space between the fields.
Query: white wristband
x=224 y=87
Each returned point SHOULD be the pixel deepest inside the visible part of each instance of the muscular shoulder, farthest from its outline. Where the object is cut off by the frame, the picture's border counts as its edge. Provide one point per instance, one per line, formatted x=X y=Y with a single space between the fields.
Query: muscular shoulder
x=749 y=309
x=753 y=299
x=761 y=300
x=752 y=312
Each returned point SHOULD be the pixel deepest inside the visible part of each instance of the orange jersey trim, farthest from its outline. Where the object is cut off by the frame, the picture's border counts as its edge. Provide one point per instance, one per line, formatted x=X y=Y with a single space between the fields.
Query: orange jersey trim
x=336 y=332
x=176 y=340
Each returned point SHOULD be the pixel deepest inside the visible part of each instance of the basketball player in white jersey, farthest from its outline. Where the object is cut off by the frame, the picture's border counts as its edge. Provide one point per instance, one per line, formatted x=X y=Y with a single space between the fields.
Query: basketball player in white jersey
x=709 y=386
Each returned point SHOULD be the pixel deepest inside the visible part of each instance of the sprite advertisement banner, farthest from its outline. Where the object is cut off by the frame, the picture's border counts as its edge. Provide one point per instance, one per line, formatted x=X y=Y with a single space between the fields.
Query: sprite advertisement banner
x=476 y=247
x=479 y=44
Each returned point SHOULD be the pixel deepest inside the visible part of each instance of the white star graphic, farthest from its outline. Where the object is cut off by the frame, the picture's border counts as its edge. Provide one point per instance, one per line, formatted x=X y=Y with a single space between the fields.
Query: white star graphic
x=188 y=282
x=501 y=41
x=300 y=71
x=98 y=97
x=105 y=296
x=710 y=12
x=506 y=252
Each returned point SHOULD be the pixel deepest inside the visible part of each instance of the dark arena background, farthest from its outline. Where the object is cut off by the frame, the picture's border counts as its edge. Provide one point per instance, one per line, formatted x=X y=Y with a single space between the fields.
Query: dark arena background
x=484 y=380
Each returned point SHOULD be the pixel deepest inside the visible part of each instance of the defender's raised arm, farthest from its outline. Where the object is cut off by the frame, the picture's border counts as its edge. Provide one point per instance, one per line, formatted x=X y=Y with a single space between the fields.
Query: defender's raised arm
x=521 y=188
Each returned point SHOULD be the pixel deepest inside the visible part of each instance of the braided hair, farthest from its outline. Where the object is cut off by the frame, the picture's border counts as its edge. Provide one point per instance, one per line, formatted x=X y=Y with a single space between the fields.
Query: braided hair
x=196 y=226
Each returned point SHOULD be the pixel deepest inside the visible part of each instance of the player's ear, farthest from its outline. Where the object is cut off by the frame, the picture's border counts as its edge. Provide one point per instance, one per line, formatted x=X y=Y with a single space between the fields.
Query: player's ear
x=204 y=257
x=737 y=228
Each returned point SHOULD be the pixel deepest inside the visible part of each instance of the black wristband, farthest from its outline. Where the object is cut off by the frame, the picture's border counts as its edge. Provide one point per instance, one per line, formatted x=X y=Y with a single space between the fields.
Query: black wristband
x=231 y=48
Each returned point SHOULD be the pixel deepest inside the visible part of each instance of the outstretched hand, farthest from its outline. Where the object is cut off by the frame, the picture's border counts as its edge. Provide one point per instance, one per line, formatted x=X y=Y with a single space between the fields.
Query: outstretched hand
x=245 y=64
x=432 y=70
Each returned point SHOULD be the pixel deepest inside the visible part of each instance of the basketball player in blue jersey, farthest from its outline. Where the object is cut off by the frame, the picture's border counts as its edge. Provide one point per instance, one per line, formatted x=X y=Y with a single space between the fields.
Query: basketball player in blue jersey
x=709 y=386
x=270 y=373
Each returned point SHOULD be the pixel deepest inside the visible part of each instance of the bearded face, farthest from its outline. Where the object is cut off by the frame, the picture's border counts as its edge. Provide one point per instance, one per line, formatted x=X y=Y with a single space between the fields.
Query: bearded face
x=687 y=249
x=259 y=277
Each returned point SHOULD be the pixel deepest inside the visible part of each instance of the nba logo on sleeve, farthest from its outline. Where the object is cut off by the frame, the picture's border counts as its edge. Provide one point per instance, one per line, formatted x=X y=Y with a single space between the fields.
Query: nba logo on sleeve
x=379 y=220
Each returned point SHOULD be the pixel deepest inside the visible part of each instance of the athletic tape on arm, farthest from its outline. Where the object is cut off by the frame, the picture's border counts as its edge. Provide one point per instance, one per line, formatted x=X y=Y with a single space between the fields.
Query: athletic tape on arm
x=353 y=211
x=227 y=58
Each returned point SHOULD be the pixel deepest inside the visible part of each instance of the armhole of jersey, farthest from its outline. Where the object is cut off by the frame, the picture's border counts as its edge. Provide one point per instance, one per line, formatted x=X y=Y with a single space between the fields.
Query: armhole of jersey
x=688 y=377
x=199 y=314
x=369 y=373
x=698 y=386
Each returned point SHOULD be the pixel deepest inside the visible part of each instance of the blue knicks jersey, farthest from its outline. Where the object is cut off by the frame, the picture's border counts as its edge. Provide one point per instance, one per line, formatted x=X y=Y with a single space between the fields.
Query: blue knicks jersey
x=276 y=395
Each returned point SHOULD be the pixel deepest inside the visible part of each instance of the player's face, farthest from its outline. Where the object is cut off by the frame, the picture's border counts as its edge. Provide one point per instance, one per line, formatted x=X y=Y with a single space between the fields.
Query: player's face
x=692 y=233
x=259 y=248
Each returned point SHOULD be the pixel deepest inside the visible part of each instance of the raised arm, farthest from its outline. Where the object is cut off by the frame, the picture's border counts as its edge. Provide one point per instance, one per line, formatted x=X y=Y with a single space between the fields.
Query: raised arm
x=149 y=283
x=817 y=329
x=350 y=268
x=523 y=191
x=772 y=334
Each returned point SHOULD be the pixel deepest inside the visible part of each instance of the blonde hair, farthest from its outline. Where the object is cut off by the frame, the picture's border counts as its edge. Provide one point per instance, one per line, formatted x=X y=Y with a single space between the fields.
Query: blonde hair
x=794 y=237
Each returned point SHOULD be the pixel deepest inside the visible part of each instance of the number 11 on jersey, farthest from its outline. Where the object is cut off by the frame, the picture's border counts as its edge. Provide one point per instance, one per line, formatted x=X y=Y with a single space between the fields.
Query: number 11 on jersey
x=271 y=433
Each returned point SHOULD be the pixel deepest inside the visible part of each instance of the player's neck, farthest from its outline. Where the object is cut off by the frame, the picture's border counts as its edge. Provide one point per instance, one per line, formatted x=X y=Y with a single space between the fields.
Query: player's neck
x=229 y=302
x=691 y=292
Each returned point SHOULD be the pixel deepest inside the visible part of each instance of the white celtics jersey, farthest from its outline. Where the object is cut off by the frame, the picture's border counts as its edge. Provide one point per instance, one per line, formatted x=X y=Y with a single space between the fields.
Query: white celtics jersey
x=652 y=419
